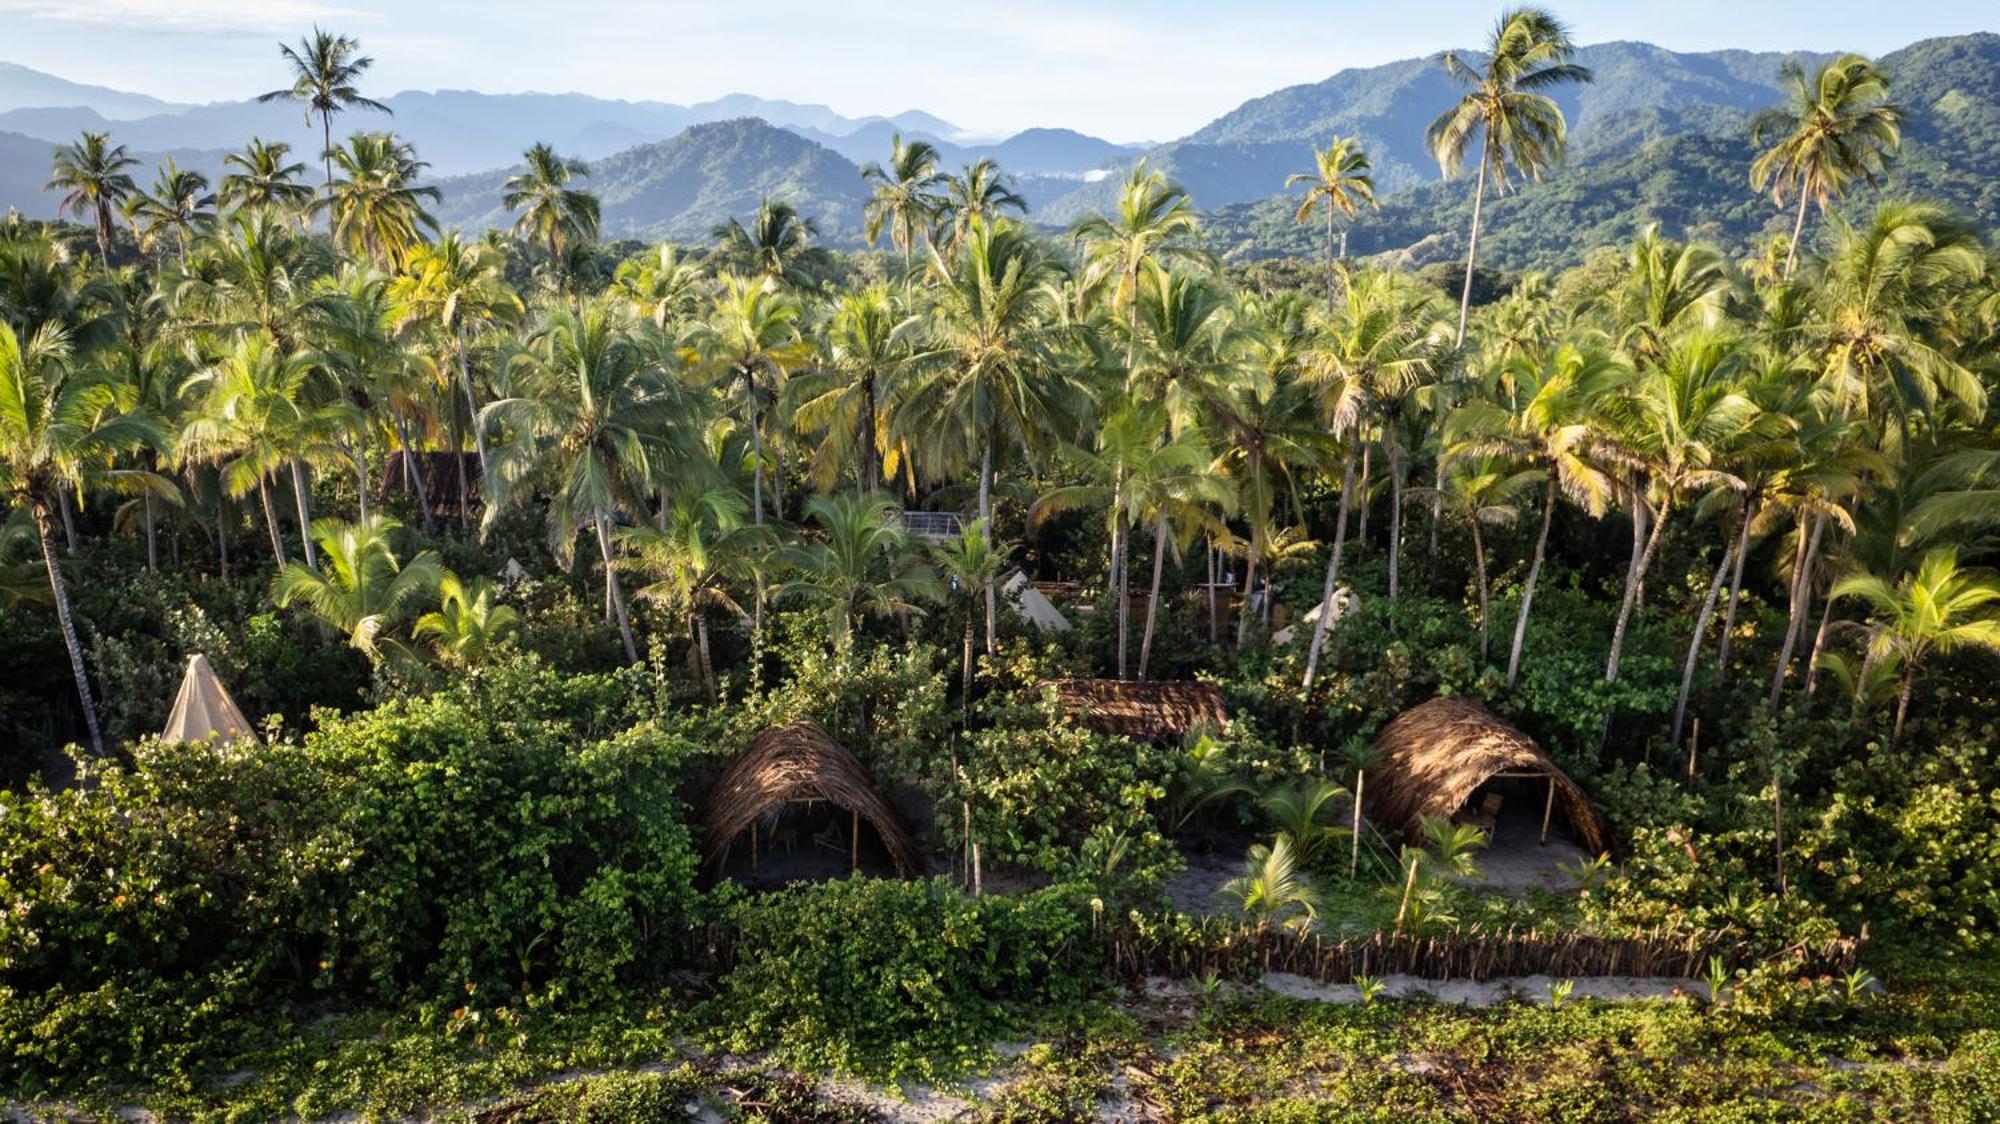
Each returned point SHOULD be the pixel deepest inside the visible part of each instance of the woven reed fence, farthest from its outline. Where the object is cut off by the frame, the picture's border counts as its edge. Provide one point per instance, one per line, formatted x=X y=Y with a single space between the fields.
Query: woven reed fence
x=1236 y=950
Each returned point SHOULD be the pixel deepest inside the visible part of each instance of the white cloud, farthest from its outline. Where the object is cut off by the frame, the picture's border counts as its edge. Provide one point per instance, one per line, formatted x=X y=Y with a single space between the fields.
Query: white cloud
x=196 y=17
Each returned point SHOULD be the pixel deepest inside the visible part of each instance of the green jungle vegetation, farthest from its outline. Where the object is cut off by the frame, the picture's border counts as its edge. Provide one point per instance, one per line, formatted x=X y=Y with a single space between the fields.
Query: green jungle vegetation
x=1713 y=529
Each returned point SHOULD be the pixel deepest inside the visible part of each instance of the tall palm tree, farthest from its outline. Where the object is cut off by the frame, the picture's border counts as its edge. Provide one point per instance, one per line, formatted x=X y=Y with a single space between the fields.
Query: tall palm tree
x=1940 y=608
x=253 y=421
x=973 y=561
x=264 y=175
x=1548 y=413
x=1377 y=348
x=857 y=560
x=376 y=207
x=59 y=432
x=661 y=285
x=751 y=345
x=179 y=204
x=552 y=212
x=1835 y=127
x=1484 y=491
x=595 y=424
x=454 y=290
x=777 y=245
x=991 y=381
x=91 y=175
x=326 y=76
x=364 y=591
x=979 y=193
x=1506 y=110
x=1154 y=221
x=906 y=197
x=1340 y=182
x=868 y=345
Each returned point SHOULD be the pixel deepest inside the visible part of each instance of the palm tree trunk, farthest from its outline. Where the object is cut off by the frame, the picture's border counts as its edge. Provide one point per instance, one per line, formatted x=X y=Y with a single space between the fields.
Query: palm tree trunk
x=1808 y=553
x=1472 y=247
x=271 y=520
x=1632 y=584
x=411 y=473
x=1902 y=700
x=1332 y=574
x=699 y=627
x=616 y=594
x=471 y=409
x=1331 y=274
x=222 y=535
x=68 y=520
x=1249 y=586
x=464 y=481
x=1485 y=592
x=986 y=522
x=1818 y=645
x=45 y=529
x=1209 y=550
x=1735 y=590
x=1395 y=524
x=1798 y=231
x=152 y=538
x=965 y=667
x=756 y=465
x=871 y=472
x=104 y=232
x=1694 y=643
x=1528 y=587
x=1361 y=509
x=1354 y=854
x=360 y=455
x=1153 y=600
x=305 y=513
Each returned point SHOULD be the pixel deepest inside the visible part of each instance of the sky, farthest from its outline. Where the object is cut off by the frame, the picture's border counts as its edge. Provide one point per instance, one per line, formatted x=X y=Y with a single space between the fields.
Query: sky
x=1127 y=70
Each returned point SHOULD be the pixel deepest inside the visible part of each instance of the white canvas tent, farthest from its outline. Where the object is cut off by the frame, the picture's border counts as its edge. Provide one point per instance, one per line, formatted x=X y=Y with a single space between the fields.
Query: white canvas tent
x=1344 y=602
x=1040 y=611
x=204 y=708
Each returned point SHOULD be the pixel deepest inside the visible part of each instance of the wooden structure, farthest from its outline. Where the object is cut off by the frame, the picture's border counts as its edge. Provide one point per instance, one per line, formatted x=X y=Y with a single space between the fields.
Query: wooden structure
x=1437 y=754
x=440 y=474
x=800 y=764
x=1147 y=711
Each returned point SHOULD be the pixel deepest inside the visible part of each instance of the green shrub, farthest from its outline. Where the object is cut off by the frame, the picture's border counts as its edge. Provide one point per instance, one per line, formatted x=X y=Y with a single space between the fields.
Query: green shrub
x=896 y=979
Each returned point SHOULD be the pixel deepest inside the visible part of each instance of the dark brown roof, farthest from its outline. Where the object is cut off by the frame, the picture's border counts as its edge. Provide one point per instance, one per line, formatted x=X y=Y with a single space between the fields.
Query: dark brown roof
x=1148 y=711
x=799 y=762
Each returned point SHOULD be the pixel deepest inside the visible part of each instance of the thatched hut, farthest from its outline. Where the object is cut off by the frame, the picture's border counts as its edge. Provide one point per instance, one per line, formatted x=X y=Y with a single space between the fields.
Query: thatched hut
x=798 y=764
x=1147 y=711
x=1436 y=755
x=450 y=481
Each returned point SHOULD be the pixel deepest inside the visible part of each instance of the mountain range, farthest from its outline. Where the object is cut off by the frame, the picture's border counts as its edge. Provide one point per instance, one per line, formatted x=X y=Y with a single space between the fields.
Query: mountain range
x=1660 y=136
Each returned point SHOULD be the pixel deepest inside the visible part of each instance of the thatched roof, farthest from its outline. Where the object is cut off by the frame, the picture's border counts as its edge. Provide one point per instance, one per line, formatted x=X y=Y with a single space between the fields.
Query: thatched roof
x=799 y=762
x=1148 y=711
x=1436 y=754
x=440 y=473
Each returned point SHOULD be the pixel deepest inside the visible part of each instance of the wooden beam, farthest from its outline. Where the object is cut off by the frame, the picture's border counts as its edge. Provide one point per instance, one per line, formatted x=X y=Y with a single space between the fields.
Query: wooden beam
x=1548 y=809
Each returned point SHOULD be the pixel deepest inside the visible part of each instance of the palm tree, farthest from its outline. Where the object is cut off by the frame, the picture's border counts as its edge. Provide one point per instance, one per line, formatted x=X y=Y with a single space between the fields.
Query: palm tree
x=58 y=433
x=973 y=561
x=467 y=626
x=1377 y=349
x=595 y=423
x=699 y=549
x=326 y=73
x=1340 y=182
x=455 y=290
x=868 y=345
x=1299 y=812
x=265 y=176
x=979 y=193
x=91 y=175
x=860 y=561
x=1485 y=491
x=661 y=285
x=364 y=589
x=1547 y=413
x=1271 y=887
x=1836 y=127
x=905 y=198
x=254 y=421
x=179 y=203
x=777 y=245
x=1507 y=111
x=1154 y=221
x=751 y=345
x=376 y=207
x=553 y=212
x=1939 y=609
x=992 y=380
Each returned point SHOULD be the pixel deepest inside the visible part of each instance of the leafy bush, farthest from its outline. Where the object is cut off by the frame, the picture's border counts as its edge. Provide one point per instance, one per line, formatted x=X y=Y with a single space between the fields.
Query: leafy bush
x=896 y=979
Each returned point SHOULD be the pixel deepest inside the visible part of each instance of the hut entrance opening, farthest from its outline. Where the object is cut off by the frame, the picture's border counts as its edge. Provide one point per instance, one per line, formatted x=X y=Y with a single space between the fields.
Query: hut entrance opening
x=805 y=840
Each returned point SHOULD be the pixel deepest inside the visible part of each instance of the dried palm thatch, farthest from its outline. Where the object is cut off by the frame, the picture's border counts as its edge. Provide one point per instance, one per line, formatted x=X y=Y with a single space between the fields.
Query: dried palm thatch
x=1147 y=711
x=440 y=472
x=799 y=763
x=1436 y=754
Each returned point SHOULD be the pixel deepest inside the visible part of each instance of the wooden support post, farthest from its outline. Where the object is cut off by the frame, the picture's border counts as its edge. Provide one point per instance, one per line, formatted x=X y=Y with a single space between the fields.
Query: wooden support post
x=1548 y=809
x=753 y=848
x=854 y=845
x=1694 y=744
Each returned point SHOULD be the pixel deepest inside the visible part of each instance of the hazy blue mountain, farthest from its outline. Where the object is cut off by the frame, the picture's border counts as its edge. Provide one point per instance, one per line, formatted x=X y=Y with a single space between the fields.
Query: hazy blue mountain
x=24 y=168
x=682 y=187
x=1032 y=152
x=23 y=88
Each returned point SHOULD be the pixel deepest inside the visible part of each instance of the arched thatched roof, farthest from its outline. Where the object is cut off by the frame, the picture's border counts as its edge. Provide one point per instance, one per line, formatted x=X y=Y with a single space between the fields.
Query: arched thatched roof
x=1146 y=711
x=1436 y=754
x=799 y=762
